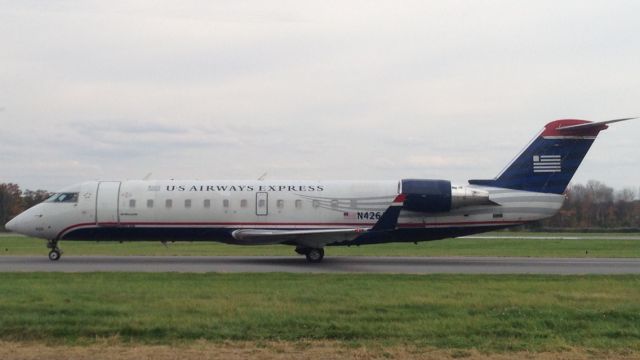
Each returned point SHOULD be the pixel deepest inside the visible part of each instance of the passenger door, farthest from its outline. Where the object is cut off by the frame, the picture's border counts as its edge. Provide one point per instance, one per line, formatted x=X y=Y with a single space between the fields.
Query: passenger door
x=107 y=203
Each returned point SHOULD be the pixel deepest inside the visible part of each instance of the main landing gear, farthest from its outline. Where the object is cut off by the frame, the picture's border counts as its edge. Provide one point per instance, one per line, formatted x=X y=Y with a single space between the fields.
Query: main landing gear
x=314 y=255
x=55 y=253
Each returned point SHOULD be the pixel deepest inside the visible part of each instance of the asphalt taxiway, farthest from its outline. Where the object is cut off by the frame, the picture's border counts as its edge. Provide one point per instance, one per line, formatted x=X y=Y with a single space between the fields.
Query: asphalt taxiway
x=331 y=264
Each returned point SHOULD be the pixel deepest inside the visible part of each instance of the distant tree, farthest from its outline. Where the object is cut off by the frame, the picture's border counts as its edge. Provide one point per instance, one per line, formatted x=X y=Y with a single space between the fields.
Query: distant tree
x=31 y=198
x=601 y=197
x=595 y=205
x=624 y=207
x=13 y=201
x=626 y=194
x=10 y=202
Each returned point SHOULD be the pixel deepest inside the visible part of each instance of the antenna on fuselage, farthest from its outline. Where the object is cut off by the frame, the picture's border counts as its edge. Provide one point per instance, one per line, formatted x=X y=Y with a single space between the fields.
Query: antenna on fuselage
x=262 y=177
x=147 y=177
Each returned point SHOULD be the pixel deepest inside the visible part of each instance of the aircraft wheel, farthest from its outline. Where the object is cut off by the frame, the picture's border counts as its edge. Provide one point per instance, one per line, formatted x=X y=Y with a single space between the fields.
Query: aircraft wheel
x=315 y=255
x=54 y=255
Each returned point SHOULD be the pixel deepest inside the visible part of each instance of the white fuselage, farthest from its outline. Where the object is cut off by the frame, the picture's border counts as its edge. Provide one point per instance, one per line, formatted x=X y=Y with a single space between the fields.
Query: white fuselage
x=230 y=205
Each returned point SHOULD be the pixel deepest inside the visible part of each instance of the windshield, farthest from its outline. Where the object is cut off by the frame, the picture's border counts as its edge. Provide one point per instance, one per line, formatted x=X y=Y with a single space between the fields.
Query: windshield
x=63 y=197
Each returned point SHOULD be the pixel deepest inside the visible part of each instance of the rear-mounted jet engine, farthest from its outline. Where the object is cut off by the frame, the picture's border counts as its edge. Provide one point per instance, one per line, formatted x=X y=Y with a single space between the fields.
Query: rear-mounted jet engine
x=434 y=196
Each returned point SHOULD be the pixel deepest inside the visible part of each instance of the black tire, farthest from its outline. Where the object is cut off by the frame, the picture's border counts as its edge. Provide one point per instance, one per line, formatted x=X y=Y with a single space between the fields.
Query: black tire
x=315 y=255
x=54 y=255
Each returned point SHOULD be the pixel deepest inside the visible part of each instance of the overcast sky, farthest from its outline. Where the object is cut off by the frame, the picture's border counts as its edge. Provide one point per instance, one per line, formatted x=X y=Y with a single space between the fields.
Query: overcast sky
x=309 y=90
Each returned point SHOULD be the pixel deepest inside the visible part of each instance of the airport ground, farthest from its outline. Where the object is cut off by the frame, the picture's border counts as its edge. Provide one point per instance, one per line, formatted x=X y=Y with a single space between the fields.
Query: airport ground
x=569 y=245
x=285 y=316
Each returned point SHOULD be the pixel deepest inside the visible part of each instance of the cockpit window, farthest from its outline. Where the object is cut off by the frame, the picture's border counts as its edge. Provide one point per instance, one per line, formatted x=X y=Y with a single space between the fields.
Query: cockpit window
x=64 y=197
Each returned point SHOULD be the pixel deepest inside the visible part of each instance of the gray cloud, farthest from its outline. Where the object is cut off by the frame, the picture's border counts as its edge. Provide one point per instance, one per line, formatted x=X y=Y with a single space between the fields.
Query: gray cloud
x=338 y=90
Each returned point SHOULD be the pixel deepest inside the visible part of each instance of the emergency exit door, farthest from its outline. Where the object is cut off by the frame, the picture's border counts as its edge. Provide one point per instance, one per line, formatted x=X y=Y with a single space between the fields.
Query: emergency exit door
x=262 y=203
x=107 y=203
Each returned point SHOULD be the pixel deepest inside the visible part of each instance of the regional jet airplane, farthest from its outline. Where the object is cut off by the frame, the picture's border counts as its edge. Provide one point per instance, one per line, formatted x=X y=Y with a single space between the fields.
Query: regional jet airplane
x=313 y=214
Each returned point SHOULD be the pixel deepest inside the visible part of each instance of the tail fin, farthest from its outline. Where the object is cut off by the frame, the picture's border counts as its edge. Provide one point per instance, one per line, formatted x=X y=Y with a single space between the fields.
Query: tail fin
x=549 y=162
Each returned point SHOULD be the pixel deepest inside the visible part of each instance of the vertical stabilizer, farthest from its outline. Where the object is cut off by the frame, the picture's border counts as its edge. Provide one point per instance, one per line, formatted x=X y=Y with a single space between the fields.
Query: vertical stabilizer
x=549 y=162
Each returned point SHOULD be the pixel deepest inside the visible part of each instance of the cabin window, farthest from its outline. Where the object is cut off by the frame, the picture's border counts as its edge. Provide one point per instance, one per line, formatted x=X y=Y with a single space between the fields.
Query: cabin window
x=207 y=203
x=225 y=203
x=132 y=203
x=168 y=203
x=187 y=203
x=315 y=203
x=261 y=203
x=354 y=203
x=150 y=203
x=334 y=203
x=280 y=204
x=298 y=204
x=243 y=203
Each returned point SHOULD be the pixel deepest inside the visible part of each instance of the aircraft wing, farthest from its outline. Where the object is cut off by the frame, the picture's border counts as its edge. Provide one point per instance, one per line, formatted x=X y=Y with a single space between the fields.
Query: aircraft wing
x=319 y=237
x=311 y=238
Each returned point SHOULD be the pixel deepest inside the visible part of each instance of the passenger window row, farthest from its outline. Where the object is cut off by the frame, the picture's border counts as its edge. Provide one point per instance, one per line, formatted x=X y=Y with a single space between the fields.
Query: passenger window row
x=168 y=203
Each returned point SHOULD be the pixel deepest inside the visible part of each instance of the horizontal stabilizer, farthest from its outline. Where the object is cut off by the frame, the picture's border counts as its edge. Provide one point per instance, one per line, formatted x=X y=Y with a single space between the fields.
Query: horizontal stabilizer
x=591 y=125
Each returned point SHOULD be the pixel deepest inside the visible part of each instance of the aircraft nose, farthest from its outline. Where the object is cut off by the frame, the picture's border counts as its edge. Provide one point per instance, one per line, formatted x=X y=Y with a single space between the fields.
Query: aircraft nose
x=19 y=224
x=28 y=223
x=12 y=225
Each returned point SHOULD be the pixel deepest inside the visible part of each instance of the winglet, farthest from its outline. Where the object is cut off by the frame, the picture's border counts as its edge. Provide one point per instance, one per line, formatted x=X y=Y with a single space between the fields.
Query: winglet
x=389 y=218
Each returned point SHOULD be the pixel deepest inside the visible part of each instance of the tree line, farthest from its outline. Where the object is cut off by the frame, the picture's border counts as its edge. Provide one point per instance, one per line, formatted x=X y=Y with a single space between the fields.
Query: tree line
x=14 y=201
x=587 y=207
x=595 y=206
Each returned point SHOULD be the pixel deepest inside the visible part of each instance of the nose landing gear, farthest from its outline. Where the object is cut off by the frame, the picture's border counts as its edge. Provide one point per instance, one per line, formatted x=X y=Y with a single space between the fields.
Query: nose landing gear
x=55 y=253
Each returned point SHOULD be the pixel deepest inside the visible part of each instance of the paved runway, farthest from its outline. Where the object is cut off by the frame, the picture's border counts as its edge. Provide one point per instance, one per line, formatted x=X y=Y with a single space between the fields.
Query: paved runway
x=331 y=264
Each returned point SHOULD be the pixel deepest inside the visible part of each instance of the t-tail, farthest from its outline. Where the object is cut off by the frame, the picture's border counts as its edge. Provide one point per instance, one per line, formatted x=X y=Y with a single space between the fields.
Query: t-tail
x=549 y=162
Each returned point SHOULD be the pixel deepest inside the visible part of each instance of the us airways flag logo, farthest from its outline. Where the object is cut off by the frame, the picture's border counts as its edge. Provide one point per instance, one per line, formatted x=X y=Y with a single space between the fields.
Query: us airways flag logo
x=547 y=163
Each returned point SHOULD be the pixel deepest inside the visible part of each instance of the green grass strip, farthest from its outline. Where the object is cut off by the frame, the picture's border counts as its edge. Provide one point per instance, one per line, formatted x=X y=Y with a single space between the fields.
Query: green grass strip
x=486 y=312
x=499 y=244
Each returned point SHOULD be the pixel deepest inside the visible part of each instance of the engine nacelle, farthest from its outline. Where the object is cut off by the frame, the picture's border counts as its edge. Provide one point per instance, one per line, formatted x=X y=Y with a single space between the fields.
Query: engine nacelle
x=434 y=196
x=427 y=195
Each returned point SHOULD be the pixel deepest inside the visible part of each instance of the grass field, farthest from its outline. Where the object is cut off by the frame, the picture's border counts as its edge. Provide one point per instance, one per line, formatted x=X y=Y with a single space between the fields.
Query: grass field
x=498 y=244
x=235 y=316
x=482 y=312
